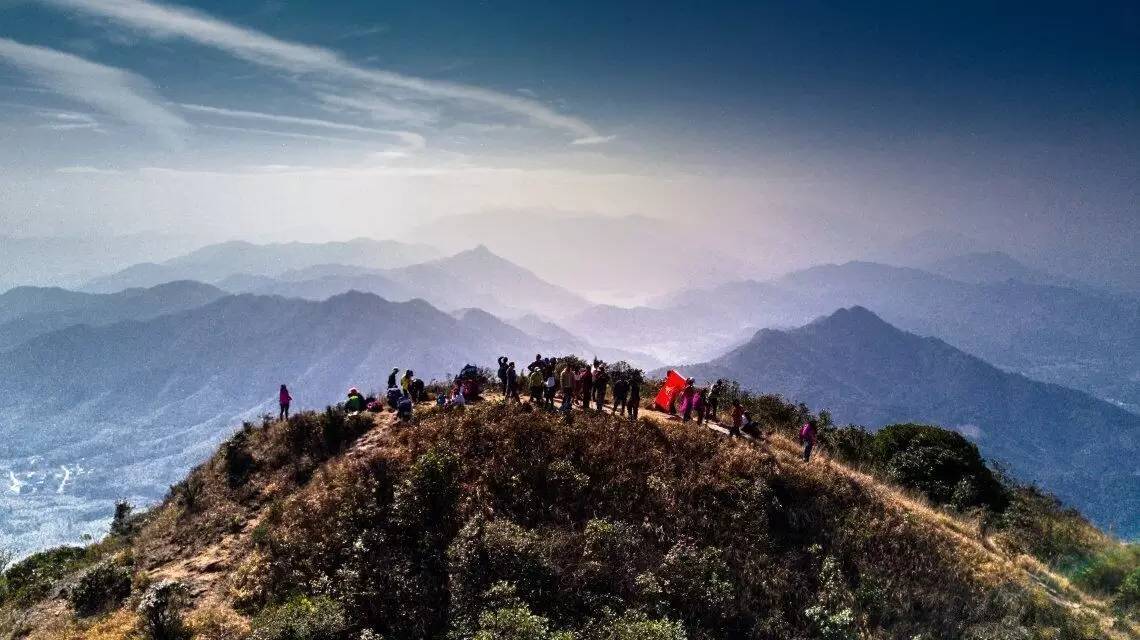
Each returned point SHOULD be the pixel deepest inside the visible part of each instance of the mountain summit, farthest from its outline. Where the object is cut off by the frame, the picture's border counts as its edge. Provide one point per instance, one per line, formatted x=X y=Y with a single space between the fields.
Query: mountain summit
x=868 y=372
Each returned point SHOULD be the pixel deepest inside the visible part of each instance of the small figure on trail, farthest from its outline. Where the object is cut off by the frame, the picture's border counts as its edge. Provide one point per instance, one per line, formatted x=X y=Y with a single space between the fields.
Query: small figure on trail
x=633 y=405
x=512 y=382
x=393 y=397
x=406 y=382
x=807 y=437
x=503 y=362
x=713 y=401
x=699 y=405
x=404 y=408
x=737 y=415
x=417 y=390
x=688 y=399
x=441 y=399
x=458 y=398
x=601 y=381
x=283 y=400
x=354 y=403
x=751 y=427
x=392 y=377
x=621 y=393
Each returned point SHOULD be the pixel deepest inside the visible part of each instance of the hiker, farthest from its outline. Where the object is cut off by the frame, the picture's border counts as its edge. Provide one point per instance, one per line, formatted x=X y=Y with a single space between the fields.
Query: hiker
x=512 y=382
x=737 y=415
x=393 y=396
x=392 y=377
x=537 y=365
x=601 y=381
x=585 y=381
x=404 y=408
x=354 y=403
x=283 y=400
x=566 y=381
x=417 y=389
x=751 y=427
x=406 y=382
x=550 y=387
x=537 y=385
x=621 y=393
x=807 y=437
x=713 y=401
x=688 y=399
x=633 y=405
x=503 y=374
x=699 y=405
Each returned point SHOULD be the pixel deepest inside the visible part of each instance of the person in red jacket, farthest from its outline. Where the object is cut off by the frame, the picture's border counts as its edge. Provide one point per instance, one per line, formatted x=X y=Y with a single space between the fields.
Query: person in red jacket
x=807 y=437
x=283 y=400
x=737 y=419
x=585 y=382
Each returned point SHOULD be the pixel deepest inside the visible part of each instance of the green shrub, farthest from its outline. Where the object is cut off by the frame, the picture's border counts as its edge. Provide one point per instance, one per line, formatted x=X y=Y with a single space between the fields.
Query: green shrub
x=516 y=623
x=1128 y=595
x=99 y=589
x=943 y=465
x=697 y=580
x=635 y=625
x=32 y=578
x=1107 y=572
x=302 y=618
x=160 y=611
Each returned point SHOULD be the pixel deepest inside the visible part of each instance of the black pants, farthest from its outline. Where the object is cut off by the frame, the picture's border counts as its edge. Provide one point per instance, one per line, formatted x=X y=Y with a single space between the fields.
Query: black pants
x=284 y=414
x=808 y=446
x=619 y=405
x=634 y=406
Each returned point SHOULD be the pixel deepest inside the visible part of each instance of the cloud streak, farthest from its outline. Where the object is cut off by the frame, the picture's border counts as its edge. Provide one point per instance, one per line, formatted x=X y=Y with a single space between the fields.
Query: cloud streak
x=113 y=91
x=408 y=138
x=166 y=22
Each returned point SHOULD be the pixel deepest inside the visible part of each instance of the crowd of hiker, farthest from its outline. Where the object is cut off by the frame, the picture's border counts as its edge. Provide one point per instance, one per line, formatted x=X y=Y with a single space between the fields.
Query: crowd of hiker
x=560 y=384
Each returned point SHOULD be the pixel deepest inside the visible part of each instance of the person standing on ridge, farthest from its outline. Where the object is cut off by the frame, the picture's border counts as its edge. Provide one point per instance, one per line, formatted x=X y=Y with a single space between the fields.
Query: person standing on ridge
x=621 y=393
x=807 y=437
x=601 y=381
x=406 y=382
x=503 y=360
x=537 y=365
x=737 y=415
x=713 y=400
x=585 y=382
x=633 y=405
x=512 y=382
x=566 y=381
x=283 y=400
x=536 y=385
x=392 y=377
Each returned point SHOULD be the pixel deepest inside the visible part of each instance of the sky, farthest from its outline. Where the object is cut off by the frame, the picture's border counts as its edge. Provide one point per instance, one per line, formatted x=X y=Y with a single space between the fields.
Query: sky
x=841 y=126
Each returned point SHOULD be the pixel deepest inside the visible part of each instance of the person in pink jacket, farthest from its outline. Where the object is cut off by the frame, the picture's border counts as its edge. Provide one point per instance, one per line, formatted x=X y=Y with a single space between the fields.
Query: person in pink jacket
x=283 y=400
x=807 y=437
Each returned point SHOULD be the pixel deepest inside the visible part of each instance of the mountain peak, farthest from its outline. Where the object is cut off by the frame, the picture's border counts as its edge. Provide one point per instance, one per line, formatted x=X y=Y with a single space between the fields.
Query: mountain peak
x=856 y=317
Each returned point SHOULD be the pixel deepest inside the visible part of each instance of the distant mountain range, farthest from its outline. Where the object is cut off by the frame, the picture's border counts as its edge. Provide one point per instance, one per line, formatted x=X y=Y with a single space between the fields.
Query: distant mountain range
x=1079 y=337
x=216 y=262
x=27 y=312
x=476 y=278
x=868 y=372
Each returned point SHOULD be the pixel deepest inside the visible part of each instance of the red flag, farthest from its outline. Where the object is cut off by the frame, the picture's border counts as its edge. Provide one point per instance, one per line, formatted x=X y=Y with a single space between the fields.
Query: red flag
x=674 y=383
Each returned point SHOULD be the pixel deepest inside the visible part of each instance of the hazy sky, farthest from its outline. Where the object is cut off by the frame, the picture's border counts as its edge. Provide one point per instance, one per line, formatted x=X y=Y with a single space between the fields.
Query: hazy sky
x=1017 y=123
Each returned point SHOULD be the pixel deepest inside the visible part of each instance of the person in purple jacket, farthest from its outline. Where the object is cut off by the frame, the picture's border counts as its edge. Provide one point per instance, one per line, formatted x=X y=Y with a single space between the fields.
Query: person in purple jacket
x=283 y=401
x=807 y=438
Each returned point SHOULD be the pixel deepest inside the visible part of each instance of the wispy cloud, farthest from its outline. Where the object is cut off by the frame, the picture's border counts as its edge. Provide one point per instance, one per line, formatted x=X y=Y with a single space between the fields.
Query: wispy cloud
x=279 y=134
x=379 y=108
x=113 y=91
x=408 y=138
x=167 y=22
x=69 y=121
x=593 y=140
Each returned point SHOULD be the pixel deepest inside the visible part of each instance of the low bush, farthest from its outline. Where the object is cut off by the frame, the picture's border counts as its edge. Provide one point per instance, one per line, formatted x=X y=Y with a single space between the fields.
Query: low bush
x=100 y=588
x=160 y=611
x=302 y=618
x=32 y=578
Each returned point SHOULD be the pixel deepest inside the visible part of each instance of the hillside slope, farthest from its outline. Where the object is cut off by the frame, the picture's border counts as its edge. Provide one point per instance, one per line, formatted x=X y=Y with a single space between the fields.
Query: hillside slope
x=499 y=522
x=868 y=372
